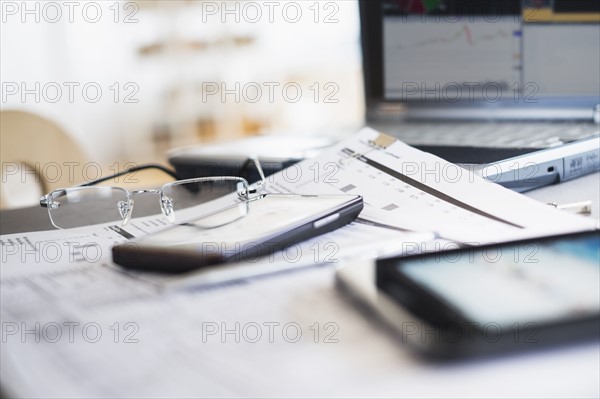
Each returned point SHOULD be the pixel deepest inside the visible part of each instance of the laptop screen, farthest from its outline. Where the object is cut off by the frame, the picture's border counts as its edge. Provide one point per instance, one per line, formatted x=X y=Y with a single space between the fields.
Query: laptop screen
x=449 y=51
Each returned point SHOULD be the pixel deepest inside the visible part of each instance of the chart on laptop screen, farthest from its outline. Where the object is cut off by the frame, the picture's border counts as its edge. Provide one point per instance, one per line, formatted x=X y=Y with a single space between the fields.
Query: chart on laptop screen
x=490 y=52
x=450 y=50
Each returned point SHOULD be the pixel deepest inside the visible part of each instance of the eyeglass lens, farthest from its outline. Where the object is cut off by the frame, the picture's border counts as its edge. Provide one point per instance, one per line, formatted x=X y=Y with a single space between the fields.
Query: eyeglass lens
x=83 y=206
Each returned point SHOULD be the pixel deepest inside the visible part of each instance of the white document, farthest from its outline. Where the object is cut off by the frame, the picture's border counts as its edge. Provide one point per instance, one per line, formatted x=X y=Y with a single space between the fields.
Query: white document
x=417 y=191
x=40 y=252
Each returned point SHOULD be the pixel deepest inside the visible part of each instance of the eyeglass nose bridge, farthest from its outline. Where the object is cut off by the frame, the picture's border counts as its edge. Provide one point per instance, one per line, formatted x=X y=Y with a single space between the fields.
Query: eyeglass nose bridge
x=146 y=191
x=126 y=207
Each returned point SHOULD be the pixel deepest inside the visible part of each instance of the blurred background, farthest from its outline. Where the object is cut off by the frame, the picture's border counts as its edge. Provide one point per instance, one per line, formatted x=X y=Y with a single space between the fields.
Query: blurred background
x=127 y=80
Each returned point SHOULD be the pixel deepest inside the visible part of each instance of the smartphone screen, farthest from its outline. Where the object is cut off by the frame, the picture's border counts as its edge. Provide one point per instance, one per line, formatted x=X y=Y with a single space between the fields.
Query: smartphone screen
x=519 y=283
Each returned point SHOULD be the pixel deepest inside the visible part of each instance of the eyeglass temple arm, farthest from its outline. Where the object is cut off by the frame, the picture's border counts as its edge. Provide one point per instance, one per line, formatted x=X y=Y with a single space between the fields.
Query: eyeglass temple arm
x=132 y=170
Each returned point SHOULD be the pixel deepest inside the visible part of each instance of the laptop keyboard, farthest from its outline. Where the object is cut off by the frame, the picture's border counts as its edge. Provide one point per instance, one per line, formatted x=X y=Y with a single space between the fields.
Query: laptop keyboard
x=494 y=134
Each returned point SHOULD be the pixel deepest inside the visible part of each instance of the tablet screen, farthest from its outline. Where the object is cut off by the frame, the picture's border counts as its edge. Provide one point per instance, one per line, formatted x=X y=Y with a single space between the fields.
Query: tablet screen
x=516 y=283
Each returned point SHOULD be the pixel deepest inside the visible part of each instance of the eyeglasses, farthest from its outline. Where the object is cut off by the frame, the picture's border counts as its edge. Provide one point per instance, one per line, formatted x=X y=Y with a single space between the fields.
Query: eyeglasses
x=181 y=201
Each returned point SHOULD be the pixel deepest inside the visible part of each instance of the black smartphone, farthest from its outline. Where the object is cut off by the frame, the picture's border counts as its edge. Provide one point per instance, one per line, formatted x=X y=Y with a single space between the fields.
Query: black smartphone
x=482 y=300
x=245 y=230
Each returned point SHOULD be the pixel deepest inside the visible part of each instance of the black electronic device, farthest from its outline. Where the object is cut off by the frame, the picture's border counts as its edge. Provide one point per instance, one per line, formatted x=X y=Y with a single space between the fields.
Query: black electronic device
x=246 y=230
x=495 y=299
x=274 y=152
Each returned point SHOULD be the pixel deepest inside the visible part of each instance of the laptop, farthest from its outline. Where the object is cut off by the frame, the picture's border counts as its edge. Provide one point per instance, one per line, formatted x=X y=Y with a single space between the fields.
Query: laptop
x=502 y=85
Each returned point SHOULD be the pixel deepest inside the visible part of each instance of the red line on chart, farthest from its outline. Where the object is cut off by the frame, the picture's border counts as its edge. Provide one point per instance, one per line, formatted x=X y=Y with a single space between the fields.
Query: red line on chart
x=468 y=35
x=464 y=31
